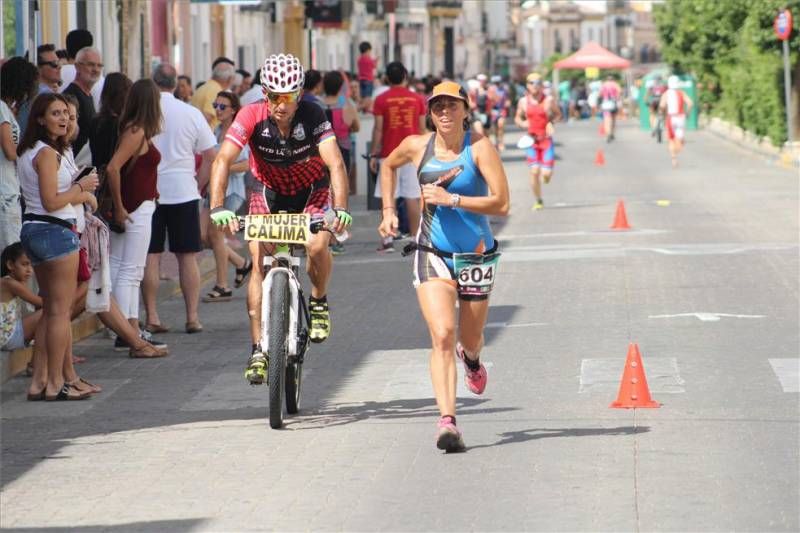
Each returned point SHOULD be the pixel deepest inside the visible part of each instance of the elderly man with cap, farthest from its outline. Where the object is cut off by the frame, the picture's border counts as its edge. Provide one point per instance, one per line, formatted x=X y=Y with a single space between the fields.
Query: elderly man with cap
x=455 y=263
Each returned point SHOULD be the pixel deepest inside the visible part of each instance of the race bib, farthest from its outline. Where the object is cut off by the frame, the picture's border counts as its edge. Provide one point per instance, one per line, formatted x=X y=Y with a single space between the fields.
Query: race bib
x=475 y=273
x=608 y=105
x=281 y=228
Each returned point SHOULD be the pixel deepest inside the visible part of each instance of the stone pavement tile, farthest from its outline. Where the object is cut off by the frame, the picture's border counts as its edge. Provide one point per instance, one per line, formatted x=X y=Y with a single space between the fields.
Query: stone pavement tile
x=758 y=494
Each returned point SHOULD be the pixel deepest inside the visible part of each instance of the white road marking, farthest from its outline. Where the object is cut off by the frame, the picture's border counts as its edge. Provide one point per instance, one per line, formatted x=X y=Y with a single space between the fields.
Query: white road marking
x=520 y=325
x=595 y=233
x=390 y=375
x=788 y=373
x=604 y=375
x=532 y=254
x=707 y=317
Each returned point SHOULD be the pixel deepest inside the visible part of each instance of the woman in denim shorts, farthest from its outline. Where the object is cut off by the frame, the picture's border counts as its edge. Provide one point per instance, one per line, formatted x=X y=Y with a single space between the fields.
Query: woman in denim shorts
x=48 y=238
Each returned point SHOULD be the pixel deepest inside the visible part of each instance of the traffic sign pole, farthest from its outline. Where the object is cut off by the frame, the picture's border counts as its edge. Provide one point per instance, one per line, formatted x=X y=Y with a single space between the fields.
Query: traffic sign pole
x=783 y=30
x=787 y=84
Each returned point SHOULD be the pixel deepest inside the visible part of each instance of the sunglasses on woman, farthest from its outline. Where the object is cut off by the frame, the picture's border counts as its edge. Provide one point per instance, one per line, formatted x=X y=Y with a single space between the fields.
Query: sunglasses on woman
x=283 y=98
x=221 y=107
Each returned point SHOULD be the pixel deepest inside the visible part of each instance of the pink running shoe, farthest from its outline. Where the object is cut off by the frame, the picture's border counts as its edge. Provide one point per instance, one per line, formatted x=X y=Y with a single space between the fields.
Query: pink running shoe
x=475 y=379
x=448 y=437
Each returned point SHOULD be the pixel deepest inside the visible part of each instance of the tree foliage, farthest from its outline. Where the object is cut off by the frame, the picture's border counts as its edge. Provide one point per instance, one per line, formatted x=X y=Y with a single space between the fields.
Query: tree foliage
x=731 y=48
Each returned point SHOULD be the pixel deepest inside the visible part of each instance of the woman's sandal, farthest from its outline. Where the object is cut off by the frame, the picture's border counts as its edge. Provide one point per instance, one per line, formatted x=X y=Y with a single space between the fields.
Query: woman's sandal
x=36 y=397
x=79 y=384
x=65 y=394
x=156 y=328
x=242 y=273
x=147 y=352
x=218 y=294
x=194 y=327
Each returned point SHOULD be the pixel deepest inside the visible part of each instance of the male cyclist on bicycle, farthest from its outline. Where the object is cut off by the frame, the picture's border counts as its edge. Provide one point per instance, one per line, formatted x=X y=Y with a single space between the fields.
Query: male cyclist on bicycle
x=293 y=153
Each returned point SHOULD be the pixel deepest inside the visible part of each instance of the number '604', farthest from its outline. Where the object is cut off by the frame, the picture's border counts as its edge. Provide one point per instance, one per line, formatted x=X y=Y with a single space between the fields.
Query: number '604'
x=476 y=275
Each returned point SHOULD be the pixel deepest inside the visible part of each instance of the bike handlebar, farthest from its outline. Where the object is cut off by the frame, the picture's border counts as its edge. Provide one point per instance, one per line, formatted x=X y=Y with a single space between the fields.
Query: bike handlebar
x=315 y=227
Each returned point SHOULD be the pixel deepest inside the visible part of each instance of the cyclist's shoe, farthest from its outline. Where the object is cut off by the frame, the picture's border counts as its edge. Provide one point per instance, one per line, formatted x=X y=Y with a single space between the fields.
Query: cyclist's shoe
x=448 y=437
x=256 y=372
x=386 y=247
x=474 y=379
x=320 y=320
x=538 y=205
x=337 y=248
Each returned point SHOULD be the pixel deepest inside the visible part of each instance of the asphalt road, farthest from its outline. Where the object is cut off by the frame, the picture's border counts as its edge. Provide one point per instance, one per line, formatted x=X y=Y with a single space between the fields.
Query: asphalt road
x=706 y=283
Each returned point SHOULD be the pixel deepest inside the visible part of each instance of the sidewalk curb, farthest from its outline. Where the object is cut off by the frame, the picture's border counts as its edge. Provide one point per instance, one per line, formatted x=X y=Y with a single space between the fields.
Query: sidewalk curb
x=87 y=324
x=786 y=156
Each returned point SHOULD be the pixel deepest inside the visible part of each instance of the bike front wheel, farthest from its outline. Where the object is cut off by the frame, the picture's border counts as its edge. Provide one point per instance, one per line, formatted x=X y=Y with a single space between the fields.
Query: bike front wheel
x=294 y=376
x=277 y=346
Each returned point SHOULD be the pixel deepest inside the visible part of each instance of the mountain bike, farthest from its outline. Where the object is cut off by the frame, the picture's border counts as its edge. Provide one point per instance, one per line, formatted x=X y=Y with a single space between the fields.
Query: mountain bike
x=285 y=319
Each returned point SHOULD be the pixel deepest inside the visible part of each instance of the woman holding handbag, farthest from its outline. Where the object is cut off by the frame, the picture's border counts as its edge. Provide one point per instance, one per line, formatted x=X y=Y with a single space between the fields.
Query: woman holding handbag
x=132 y=178
x=48 y=235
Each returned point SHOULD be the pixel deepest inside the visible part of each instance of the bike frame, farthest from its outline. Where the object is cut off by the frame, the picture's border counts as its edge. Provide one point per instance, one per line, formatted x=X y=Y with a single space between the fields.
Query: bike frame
x=282 y=260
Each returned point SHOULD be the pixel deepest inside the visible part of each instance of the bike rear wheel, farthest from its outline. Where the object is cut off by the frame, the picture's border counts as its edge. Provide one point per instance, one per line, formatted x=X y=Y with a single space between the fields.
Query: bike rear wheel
x=278 y=333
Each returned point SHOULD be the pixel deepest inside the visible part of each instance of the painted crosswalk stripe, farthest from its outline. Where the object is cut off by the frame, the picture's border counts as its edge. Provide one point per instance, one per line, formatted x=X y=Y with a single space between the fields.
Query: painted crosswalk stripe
x=603 y=375
x=492 y=325
x=788 y=373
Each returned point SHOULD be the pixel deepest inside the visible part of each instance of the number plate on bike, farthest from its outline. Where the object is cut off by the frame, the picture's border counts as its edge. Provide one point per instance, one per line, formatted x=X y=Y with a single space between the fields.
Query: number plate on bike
x=475 y=273
x=281 y=227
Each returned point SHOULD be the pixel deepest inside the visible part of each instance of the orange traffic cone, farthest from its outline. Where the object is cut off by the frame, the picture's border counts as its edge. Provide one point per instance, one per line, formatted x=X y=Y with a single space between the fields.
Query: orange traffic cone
x=620 y=219
x=599 y=158
x=602 y=130
x=633 y=390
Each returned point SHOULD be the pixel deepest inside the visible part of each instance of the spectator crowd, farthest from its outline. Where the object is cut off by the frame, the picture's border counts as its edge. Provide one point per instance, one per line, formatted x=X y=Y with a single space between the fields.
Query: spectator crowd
x=100 y=175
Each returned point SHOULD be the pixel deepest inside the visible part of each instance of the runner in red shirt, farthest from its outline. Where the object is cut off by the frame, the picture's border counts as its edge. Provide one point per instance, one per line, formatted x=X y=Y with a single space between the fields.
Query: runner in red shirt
x=611 y=97
x=399 y=113
x=366 y=75
x=293 y=152
x=535 y=113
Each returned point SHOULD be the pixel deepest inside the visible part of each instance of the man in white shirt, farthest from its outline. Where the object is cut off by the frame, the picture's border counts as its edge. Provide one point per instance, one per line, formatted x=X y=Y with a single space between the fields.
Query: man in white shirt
x=185 y=135
x=76 y=40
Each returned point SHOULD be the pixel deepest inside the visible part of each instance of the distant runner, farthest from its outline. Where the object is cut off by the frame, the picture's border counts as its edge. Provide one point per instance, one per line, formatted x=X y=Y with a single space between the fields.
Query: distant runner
x=676 y=103
x=535 y=113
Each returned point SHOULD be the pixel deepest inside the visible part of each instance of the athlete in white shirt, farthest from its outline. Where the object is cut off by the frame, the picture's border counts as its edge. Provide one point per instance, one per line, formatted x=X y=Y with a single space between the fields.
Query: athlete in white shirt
x=676 y=104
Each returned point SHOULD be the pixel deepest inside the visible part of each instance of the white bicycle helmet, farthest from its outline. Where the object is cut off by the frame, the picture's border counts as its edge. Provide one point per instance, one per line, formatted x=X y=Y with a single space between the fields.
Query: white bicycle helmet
x=282 y=73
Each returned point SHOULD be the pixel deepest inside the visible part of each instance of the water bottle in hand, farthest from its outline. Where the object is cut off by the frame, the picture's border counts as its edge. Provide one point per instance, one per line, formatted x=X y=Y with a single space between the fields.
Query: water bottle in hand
x=330 y=219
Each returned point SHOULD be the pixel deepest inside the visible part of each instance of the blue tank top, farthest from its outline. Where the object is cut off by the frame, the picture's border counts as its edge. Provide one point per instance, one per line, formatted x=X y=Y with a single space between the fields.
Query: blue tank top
x=453 y=229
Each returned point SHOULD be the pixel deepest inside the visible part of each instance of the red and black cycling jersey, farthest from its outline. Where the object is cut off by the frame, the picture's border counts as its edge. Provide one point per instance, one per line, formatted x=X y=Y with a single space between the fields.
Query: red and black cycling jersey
x=287 y=166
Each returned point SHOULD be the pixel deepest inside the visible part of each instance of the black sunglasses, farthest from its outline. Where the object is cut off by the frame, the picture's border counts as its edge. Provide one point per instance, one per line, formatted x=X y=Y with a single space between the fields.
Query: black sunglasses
x=53 y=64
x=221 y=107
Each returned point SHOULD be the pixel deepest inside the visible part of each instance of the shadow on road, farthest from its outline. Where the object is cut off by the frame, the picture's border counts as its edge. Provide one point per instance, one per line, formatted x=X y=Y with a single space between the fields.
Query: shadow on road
x=188 y=524
x=341 y=414
x=525 y=435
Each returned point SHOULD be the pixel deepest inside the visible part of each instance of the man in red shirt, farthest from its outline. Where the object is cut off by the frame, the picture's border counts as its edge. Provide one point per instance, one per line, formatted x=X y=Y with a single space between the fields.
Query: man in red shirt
x=366 y=75
x=399 y=113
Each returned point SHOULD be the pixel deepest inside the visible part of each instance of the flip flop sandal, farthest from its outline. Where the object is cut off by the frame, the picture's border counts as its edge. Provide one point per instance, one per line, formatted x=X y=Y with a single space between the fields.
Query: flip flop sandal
x=194 y=327
x=36 y=397
x=241 y=274
x=148 y=352
x=77 y=359
x=81 y=381
x=64 y=395
x=156 y=328
x=218 y=294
